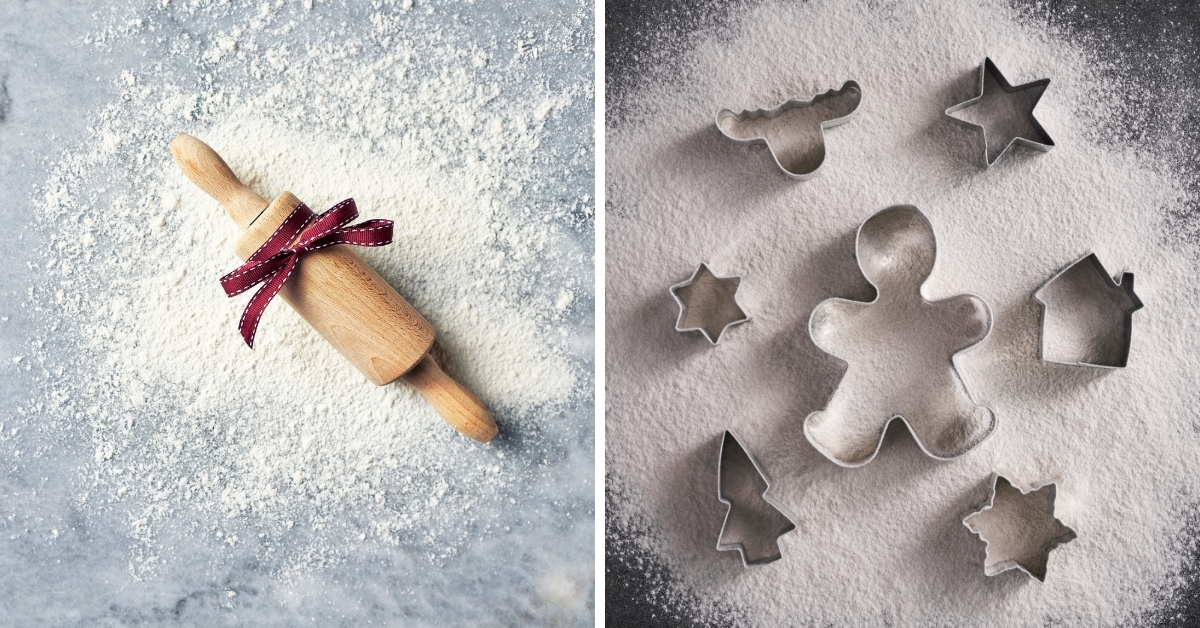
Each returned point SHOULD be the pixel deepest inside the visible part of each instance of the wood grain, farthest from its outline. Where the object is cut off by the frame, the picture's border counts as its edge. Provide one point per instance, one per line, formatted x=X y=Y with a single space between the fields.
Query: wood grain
x=347 y=302
x=210 y=173
x=455 y=403
x=342 y=297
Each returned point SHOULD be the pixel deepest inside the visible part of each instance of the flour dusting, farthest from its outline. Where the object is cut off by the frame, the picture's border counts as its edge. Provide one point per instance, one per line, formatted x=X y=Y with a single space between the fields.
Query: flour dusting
x=286 y=452
x=884 y=544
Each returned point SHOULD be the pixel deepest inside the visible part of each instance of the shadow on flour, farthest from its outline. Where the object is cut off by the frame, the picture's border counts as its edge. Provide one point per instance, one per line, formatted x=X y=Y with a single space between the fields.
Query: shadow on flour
x=731 y=175
x=652 y=327
x=793 y=363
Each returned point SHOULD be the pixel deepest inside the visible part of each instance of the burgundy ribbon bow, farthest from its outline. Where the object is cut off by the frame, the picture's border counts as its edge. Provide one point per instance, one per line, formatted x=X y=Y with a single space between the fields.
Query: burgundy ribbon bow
x=274 y=261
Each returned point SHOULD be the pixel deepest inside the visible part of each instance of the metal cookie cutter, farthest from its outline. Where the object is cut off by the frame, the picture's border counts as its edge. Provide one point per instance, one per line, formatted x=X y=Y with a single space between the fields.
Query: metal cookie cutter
x=801 y=155
x=899 y=351
x=1087 y=316
x=1018 y=528
x=708 y=304
x=1033 y=93
x=754 y=522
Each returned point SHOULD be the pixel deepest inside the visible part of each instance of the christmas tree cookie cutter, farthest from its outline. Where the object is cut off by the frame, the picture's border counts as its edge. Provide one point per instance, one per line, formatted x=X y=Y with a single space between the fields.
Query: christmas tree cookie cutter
x=1018 y=528
x=899 y=350
x=1087 y=315
x=708 y=304
x=753 y=522
x=804 y=155
x=1033 y=91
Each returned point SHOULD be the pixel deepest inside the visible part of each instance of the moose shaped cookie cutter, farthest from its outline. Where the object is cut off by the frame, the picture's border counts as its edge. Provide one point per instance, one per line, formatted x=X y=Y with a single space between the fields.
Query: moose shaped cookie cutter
x=801 y=158
x=899 y=351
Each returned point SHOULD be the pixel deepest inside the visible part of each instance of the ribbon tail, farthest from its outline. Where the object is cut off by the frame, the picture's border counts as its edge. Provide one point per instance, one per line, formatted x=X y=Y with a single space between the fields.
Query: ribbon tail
x=248 y=325
x=369 y=233
x=253 y=273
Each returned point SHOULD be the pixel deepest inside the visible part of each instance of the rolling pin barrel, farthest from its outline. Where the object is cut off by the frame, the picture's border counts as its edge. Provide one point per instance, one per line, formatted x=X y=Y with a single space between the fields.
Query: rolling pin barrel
x=345 y=300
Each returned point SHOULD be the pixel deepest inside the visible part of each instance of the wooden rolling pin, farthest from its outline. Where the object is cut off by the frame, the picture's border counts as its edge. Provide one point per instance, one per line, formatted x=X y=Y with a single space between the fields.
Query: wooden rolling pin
x=341 y=296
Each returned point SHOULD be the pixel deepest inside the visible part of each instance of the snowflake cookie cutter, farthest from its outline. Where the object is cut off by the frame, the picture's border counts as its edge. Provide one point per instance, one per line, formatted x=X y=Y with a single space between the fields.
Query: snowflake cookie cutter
x=798 y=162
x=708 y=304
x=1018 y=528
x=1033 y=91
x=1087 y=315
x=900 y=352
x=753 y=522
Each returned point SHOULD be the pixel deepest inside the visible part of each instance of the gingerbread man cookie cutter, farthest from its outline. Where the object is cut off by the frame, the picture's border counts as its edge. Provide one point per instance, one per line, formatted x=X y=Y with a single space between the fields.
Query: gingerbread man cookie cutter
x=899 y=351
x=802 y=157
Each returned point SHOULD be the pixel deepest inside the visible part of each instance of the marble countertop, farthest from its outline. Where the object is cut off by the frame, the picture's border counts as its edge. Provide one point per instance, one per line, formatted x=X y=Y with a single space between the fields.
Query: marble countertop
x=64 y=562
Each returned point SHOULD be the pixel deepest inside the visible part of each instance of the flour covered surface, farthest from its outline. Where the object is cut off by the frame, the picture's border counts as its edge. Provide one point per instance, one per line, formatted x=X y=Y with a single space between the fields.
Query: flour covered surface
x=277 y=483
x=884 y=544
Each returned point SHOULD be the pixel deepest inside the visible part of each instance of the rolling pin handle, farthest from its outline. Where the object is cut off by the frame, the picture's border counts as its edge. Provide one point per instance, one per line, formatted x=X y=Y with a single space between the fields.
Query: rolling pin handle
x=204 y=167
x=461 y=409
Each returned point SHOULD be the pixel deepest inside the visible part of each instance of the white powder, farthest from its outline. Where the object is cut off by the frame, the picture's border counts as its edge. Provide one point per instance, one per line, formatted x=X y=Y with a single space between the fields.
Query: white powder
x=195 y=435
x=885 y=544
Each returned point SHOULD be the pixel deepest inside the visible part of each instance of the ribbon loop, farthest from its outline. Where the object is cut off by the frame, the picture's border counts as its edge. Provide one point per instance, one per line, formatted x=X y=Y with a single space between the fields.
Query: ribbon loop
x=301 y=233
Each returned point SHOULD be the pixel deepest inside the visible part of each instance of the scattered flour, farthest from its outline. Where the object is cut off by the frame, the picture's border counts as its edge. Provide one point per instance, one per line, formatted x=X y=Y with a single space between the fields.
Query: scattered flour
x=884 y=544
x=190 y=425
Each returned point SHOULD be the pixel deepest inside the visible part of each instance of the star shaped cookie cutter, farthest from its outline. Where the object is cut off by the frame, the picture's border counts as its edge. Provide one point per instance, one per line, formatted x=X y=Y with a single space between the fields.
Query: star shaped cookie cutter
x=1018 y=528
x=899 y=350
x=708 y=304
x=1033 y=91
x=798 y=164
x=754 y=522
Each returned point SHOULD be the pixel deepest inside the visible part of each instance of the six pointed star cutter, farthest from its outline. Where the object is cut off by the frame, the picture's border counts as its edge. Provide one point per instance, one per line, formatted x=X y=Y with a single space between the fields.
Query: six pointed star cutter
x=1033 y=91
x=708 y=304
x=1018 y=528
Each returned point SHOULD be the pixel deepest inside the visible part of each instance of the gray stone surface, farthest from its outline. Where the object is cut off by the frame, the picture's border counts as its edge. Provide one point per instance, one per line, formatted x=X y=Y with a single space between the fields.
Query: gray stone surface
x=63 y=564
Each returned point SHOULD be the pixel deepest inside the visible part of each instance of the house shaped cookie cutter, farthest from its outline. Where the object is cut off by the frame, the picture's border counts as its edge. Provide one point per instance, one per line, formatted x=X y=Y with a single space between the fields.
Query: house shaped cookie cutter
x=1087 y=316
x=752 y=515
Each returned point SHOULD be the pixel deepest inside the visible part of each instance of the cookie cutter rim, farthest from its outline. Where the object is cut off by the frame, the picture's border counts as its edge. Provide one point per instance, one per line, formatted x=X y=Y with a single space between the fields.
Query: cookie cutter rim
x=1126 y=284
x=1049 y=546
x=989 y=66
x=792 y=103
x=683 y=307
x=907 y=424
x=729 y=433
